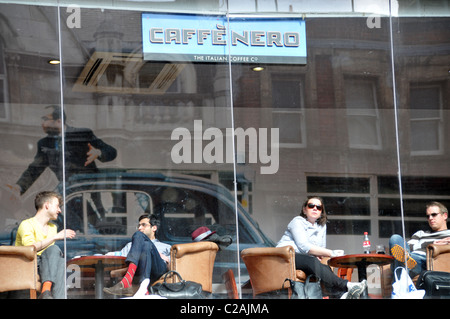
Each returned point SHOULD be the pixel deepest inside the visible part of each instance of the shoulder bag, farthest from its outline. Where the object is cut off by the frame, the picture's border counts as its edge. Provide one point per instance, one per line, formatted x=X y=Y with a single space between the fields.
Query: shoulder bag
x=178 y=290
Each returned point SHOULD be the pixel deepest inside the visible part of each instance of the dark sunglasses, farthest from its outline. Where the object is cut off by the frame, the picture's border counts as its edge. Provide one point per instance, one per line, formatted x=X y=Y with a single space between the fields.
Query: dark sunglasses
x=310 y=205
x=431 y=215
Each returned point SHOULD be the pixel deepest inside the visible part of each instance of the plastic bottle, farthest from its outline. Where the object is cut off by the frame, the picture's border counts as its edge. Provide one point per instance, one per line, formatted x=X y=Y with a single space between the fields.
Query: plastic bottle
x=366 y=243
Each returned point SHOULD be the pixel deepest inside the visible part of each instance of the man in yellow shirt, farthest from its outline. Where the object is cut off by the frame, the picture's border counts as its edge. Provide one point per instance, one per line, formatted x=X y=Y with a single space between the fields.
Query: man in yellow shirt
x=40 y=232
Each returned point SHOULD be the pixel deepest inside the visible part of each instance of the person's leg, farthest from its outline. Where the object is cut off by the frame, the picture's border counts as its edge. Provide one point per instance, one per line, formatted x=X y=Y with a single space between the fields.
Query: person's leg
x=311 y=265
x=52 y=270
x=400 y=251
x=145 y=255
x=143 y=261
x=334 y=284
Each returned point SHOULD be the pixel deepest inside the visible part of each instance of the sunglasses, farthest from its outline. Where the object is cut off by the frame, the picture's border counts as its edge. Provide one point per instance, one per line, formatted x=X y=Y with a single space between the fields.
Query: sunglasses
x=310 y=205
x=433 y=215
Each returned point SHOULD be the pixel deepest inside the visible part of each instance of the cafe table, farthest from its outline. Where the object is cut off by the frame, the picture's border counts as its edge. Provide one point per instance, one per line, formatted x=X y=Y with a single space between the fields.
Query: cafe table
x=100 y=264
x=361 y=262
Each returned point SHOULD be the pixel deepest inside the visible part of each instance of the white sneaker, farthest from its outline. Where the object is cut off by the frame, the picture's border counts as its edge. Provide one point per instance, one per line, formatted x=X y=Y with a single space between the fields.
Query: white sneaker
x=356 y=290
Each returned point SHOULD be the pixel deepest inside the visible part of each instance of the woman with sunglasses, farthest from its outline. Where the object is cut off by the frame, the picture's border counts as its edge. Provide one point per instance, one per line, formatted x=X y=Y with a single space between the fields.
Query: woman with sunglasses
x=306 y=233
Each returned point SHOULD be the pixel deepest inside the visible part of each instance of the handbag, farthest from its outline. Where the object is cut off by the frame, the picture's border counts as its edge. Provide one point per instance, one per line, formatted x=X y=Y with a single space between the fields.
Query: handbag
x=307 y=290
x=435 y=283
x=178 y=290
x=403 y=287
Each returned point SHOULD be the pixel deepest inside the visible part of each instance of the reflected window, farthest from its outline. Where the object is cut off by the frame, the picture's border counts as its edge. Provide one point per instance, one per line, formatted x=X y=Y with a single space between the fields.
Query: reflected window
x=362 y=113
x=288 y=110
x=347 y=202
x=106 y=212
x=426 y=120
x=417 y=192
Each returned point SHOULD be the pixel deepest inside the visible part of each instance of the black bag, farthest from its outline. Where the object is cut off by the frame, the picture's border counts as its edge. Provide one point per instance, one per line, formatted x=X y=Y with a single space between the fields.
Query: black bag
x=178 y=290
x=308 y=290
x=435 y=283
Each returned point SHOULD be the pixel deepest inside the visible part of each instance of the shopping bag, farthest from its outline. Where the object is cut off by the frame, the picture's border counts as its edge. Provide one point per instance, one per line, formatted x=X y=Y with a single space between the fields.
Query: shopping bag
x=403 y=287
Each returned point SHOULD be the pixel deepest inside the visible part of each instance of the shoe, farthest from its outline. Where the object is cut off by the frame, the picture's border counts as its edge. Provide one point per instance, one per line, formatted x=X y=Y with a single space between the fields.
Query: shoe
x=119 y=290
x=356 y=291
x=399 y=254
x=46 y=295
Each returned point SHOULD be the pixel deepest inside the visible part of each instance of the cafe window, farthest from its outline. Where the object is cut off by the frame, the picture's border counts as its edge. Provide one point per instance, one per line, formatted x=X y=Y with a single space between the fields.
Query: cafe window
x=417 y=192
x=106 y=212
x=362 y=113
x=288 y=110
x=358 y=204
x=347 y=202
x=426 y=123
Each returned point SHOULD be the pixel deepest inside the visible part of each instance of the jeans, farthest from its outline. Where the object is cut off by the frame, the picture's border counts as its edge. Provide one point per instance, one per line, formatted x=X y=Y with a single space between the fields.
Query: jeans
x=145 y=256
x=52 y=267
x=419 y=258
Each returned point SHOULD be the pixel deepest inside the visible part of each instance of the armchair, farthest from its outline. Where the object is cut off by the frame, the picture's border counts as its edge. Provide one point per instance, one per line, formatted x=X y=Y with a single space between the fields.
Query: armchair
x=438 y=257
x=268 y=267
x=194 y=262
x=18 y=269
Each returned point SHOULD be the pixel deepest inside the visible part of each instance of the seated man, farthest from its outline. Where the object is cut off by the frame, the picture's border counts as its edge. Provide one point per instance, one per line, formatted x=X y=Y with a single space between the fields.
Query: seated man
x=147 y=257
x=40 y=232
x=415 y=254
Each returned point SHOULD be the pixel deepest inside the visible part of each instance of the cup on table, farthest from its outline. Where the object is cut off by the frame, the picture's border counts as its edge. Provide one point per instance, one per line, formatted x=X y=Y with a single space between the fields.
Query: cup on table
x=380 y=249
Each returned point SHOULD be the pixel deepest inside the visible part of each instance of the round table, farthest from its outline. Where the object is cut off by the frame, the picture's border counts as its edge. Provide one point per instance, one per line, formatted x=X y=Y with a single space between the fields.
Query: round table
x=361 y=262
x=99 y=264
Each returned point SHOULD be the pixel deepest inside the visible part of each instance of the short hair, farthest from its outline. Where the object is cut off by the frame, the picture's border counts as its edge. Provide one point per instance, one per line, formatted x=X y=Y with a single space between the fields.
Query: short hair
x=43 y=197
x=154 y=221
x=441 y=206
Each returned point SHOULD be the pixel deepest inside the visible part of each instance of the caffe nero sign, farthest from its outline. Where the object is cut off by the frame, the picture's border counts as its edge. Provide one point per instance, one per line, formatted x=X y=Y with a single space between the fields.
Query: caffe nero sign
x=216 y=39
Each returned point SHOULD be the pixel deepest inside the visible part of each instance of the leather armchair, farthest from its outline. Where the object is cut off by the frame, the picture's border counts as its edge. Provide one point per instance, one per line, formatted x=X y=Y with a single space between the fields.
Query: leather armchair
x=18 y=269
x=268 y=267
x=194 y=262
x=438 y=257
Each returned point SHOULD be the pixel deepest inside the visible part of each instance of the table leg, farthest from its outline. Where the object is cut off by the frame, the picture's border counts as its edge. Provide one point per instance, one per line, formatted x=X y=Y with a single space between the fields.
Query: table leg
x=362 y=274
x=99 y=279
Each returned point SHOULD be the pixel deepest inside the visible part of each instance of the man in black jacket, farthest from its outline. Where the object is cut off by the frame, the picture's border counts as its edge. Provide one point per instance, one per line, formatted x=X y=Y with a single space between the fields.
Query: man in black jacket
x=81 y=148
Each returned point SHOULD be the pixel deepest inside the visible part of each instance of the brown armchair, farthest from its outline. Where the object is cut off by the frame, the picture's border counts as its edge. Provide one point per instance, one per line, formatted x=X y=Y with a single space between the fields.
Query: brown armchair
x=18 y=269
x=193 y=261
x=268 y=267
x=438 y=257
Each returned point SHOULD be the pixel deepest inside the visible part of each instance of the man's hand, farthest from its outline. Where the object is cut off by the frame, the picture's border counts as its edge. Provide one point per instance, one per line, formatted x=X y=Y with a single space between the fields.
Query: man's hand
x=92 y=154
x=68 y=233
x=444 y=241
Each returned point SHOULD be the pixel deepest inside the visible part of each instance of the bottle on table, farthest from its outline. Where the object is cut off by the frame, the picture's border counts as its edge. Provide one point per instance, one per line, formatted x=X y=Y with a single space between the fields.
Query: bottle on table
x=366 y=243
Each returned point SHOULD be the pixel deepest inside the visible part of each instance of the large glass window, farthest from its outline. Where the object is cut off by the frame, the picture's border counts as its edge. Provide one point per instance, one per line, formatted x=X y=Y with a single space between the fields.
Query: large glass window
x=212 y=141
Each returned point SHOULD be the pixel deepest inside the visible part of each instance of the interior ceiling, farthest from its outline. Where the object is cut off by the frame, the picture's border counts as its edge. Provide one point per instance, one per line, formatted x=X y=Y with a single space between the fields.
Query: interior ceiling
x=110 y=72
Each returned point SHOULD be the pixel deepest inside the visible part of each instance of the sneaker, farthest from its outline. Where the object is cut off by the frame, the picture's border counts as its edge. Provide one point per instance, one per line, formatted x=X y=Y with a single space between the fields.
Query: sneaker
x=119 y=290
x=399 y=254
x=356 y=291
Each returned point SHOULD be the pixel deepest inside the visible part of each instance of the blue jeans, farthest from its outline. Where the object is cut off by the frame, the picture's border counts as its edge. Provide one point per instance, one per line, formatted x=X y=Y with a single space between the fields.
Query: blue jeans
x=145 y=256
x=420 y=259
